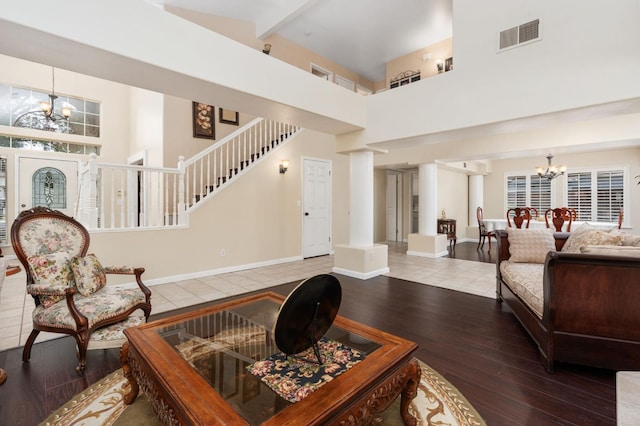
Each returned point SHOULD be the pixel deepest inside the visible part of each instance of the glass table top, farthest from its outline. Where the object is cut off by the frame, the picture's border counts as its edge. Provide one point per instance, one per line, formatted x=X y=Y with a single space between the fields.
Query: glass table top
x=222 y=344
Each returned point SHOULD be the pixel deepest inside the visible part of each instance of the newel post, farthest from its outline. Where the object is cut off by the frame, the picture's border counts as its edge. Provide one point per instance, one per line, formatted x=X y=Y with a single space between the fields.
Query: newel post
x=87 y=213
x=182 y=208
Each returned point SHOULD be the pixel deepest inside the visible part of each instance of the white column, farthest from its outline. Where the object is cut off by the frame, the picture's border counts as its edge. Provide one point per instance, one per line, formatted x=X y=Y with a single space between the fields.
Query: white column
x=428 y=199
x=476 y=197
x=361 y=199
x=361 y=258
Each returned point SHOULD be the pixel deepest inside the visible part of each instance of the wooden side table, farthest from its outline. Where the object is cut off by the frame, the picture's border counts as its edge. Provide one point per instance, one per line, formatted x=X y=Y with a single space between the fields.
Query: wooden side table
x=448 y=226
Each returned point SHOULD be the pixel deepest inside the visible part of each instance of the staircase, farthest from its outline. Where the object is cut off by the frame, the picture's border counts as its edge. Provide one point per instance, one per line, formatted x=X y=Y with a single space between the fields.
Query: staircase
x=114 y=196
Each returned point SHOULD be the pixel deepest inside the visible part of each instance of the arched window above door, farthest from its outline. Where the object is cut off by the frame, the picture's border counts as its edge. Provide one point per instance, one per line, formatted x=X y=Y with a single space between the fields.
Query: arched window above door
x=49 y=188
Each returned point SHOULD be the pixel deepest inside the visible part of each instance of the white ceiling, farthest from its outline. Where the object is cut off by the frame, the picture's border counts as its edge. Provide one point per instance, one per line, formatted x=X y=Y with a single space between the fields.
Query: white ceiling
x=361 y=35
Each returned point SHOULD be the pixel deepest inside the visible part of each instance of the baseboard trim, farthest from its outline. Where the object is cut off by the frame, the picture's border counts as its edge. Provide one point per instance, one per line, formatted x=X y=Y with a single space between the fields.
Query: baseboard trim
x=429 y=255
x=360 y=275
x=200 y=274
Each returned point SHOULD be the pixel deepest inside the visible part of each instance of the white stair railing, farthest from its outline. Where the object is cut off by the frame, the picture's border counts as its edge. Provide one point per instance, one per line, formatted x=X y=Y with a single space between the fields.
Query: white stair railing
x=116 y=196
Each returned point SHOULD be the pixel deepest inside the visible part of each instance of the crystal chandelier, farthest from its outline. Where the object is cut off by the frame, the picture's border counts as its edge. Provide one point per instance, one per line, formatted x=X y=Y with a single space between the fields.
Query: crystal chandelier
x=47 y=117
x=550 y=172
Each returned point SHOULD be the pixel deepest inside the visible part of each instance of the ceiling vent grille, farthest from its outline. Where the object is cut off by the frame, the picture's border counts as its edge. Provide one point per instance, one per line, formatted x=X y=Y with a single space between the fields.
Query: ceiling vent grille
x=521 y=34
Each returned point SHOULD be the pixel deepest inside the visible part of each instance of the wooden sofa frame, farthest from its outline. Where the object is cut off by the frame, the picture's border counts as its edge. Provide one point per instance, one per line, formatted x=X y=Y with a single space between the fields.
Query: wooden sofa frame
x=590 y=309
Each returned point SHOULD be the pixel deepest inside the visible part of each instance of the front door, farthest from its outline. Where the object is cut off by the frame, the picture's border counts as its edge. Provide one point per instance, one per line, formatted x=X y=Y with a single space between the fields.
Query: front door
x=316 y=209
x=47 y=183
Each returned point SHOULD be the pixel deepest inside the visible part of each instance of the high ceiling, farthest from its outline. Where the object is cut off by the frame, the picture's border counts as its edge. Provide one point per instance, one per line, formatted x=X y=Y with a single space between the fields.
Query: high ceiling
x=361 y=35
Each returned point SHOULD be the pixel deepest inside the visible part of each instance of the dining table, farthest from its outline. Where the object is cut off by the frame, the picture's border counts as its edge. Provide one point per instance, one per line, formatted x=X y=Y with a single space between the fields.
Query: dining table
x=493 y=225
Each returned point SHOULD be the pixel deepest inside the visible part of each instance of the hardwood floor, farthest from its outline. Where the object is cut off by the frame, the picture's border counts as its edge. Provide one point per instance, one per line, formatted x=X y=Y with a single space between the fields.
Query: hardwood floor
x=474 y=342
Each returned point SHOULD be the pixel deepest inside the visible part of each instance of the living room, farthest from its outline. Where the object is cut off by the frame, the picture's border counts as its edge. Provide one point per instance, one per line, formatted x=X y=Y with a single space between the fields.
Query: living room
x=597 y=129
x=595 y=121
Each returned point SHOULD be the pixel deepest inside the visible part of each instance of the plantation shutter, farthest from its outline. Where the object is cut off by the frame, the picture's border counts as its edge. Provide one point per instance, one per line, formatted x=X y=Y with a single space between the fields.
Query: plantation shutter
x=540 y=193
x=516 y=191
x=610 y=195
x=579 y=194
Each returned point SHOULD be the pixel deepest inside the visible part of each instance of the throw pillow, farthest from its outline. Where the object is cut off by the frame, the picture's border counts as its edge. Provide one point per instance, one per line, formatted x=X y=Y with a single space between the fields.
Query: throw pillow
x=625 y=251
x=587 y=234
x=530 y=245
x=630 y=240
x=51 y=271
x=88 y=273
x=595 y=237
x=576 y=237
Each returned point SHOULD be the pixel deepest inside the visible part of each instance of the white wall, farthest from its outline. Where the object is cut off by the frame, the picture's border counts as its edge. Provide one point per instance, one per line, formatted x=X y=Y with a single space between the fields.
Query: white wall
x=146 y=126
x=587 y=56
x=257 y=219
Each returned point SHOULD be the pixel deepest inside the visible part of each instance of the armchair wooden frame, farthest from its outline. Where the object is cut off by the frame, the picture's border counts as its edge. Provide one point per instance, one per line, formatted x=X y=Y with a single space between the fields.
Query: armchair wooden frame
x=85 y=319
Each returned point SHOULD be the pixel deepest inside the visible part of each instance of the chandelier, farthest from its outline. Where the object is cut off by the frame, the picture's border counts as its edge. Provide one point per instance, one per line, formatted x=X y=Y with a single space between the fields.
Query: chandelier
x=550 y=172
x=47 y=116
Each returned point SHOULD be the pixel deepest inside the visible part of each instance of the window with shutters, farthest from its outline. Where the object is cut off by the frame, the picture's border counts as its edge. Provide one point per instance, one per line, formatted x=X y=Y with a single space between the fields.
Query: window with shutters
x=597 y=195
x=579 y=194
x=528 y=190
x=516 y=191
x=609 y=195
x=540 y=193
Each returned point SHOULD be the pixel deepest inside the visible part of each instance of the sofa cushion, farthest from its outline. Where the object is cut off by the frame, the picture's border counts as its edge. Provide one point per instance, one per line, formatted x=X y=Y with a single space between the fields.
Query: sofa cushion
x=530 y=245
x=525 y=280
x=626 y=251
x=587 y=234
x=630 y=240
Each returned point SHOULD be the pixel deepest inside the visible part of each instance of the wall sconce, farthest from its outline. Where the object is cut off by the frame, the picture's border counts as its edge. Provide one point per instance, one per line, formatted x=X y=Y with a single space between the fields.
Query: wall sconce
x=266 y=49
x=284 y=166
x=440 y=65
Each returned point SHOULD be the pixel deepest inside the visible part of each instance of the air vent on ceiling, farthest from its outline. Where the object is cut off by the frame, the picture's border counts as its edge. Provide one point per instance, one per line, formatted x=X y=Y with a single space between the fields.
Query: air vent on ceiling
x=521 y=34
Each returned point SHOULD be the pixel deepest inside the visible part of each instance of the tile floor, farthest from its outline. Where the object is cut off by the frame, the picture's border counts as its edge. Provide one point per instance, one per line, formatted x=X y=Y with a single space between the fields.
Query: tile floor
x=462 y=275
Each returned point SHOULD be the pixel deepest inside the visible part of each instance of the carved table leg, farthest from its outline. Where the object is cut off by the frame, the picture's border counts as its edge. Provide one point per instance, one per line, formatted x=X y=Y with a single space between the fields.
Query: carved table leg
x=409 y=392
x=126 y=370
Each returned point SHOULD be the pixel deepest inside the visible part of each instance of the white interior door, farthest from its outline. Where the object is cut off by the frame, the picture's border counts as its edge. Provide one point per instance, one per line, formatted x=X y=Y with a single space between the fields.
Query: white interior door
x=61 y=193
x=316 y=208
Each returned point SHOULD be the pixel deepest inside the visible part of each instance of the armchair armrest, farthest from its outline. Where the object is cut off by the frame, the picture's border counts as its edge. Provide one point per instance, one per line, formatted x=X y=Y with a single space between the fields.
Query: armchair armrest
x=129 y=270
x=123 y=270
x=49 y=289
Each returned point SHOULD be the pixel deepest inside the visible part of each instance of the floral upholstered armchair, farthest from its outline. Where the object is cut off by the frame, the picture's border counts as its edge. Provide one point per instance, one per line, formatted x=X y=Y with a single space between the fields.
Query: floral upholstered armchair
x=69 y=286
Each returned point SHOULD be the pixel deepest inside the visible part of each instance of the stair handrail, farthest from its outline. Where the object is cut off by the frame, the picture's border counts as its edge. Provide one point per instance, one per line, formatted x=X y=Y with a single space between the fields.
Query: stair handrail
x=222 y=141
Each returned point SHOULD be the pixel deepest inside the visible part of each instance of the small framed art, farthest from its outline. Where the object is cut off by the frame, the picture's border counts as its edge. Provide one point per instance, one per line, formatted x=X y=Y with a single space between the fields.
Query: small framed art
x=203 y=122
x=228 y=116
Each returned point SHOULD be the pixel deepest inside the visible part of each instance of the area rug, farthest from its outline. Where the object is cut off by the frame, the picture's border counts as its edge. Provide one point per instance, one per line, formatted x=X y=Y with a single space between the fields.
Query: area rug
x=437 y=403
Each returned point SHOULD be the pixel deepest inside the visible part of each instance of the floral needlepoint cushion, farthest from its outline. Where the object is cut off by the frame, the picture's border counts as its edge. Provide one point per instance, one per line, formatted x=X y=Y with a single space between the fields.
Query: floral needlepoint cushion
x=88 y=273
x=51 y=272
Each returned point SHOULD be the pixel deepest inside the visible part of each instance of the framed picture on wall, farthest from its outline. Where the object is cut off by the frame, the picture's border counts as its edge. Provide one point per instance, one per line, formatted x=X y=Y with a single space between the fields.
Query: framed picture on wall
x=227 y=116
x=203 y=121
x=448 y=64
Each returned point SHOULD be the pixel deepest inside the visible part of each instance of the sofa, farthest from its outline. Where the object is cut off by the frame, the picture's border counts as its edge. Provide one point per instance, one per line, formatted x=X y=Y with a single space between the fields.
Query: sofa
x=577 y=294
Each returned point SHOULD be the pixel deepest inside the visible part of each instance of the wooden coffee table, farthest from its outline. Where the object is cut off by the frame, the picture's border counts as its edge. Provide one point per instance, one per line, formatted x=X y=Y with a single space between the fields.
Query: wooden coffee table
x=192 y=368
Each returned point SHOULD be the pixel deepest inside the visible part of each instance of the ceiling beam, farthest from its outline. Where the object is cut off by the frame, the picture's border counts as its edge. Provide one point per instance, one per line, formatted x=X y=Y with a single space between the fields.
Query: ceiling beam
x=278 y=16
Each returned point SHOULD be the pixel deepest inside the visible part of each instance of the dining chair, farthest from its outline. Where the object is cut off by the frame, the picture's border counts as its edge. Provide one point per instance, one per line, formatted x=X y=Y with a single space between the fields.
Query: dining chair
x=620 y=217
x=520 y=216
x=483 y=233
x=559 y=216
